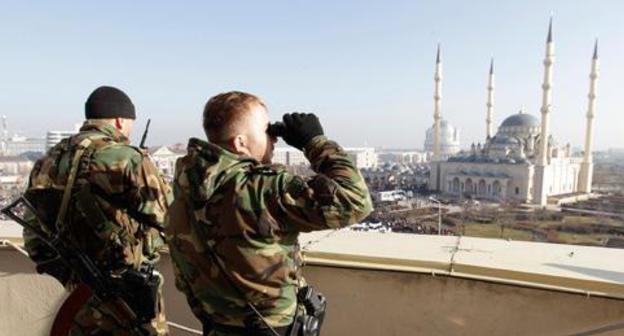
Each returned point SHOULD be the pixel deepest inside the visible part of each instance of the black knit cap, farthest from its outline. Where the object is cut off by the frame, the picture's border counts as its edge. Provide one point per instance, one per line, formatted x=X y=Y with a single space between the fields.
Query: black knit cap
x=109 y=102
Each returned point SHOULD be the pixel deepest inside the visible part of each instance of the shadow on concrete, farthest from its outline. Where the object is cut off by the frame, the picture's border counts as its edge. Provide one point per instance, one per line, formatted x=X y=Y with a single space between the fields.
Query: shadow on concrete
x=13 y=262
x=594 y=272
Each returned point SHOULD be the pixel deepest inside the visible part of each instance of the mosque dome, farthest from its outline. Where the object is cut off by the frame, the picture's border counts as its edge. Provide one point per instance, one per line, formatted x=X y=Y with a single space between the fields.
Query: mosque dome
x=521 y=120
x=520 y=125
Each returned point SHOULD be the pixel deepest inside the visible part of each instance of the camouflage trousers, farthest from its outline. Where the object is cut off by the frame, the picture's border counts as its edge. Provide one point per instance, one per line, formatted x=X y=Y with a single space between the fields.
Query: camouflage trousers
x=94 y=320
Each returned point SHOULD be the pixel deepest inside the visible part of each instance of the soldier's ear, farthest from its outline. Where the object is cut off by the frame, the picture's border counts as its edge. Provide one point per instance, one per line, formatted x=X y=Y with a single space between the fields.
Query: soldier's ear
x=239 y=144
x=118 y=123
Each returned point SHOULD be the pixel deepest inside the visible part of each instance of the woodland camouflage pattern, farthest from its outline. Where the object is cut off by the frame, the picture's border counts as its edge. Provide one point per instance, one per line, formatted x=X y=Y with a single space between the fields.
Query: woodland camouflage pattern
x=118 y=169
x=251 y=215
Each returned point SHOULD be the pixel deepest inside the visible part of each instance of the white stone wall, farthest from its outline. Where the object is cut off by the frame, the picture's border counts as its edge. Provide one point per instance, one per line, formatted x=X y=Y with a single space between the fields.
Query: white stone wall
x=516 y=186
x=564 y=177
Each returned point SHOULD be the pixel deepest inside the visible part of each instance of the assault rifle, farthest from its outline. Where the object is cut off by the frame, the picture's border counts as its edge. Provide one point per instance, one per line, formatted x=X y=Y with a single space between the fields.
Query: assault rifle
x=104 y=290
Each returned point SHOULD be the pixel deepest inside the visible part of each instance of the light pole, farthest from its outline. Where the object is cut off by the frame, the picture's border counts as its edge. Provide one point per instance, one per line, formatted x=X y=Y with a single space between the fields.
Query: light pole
x=431 y=198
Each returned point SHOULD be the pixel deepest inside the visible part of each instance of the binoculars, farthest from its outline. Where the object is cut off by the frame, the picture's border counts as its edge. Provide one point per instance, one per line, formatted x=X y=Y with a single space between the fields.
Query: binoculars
x=276 y=129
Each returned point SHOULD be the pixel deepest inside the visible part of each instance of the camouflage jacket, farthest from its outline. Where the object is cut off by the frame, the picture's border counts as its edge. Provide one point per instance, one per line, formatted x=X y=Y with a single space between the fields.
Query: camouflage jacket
x=250 y=215
x=122 y=180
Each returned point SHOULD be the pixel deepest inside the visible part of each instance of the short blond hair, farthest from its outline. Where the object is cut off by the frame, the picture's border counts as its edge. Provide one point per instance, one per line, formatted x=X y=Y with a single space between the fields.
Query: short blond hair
x=224 y=111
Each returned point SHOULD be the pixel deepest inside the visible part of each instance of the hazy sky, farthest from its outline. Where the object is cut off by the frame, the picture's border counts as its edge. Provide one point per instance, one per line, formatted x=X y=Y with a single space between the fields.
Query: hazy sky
x=365 y=67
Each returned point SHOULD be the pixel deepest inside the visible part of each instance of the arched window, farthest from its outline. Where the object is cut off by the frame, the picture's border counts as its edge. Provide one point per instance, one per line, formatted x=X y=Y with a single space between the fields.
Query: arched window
x=456 y=185
x=481 y=187
x=469 y=188
x=497 y=188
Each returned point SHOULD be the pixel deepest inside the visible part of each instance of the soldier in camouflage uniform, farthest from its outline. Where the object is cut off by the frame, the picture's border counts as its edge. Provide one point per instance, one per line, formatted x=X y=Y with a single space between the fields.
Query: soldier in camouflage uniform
x=234 y=208
x=130 y=198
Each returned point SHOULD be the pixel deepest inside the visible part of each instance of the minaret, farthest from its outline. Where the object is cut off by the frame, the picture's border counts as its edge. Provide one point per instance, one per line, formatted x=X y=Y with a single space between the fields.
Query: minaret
x=546 y=98
x=434 y=175
x=5 y=136
x=541 y=167
x=489 y=132
x=587 y=166
x=436 y=107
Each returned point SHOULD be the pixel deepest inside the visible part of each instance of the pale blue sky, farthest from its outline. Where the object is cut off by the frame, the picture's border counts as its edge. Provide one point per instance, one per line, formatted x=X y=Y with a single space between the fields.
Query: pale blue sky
x=365 y=67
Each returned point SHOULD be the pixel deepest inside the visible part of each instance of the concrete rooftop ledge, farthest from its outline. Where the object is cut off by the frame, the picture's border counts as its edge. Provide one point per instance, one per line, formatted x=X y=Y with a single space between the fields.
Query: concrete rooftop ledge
x=572 y=268
x=588 y=270
x=479 y=287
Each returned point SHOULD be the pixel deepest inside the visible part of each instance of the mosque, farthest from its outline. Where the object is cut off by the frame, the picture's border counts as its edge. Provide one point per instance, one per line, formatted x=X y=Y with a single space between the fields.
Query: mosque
x=522 y=162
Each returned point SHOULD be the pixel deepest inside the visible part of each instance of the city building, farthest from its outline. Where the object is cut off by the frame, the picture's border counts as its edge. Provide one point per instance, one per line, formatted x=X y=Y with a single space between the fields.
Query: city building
x=392 y=175
x=364 y=157
x=165 y=157
x=17 y=145
x=54 y=137
x=522 y=161
x=15 y=165
x=404 y=157
x=449 y=139
x=289 y=156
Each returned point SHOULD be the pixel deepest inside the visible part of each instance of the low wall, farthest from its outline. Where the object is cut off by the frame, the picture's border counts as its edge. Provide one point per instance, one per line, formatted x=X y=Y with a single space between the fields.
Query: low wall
x=367 y=302
x=361 y=302
x=28 y=301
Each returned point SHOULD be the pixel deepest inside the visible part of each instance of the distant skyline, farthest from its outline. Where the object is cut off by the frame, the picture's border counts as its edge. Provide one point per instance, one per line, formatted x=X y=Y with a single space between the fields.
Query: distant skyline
x=365 y=67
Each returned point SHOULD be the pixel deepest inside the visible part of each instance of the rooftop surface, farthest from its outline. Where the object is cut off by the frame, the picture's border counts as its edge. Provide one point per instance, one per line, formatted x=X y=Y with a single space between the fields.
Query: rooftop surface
x=582 y=269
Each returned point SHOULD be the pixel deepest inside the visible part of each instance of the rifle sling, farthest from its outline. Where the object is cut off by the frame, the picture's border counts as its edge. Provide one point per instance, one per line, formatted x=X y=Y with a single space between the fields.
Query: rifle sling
x=71 y=179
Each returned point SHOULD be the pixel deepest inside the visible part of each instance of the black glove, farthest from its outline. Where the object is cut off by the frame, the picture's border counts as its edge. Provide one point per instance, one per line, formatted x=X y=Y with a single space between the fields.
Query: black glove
x=301 y=128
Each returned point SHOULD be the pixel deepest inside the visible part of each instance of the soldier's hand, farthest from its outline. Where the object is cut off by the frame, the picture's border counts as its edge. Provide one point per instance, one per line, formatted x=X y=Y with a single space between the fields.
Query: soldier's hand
x=301 y=128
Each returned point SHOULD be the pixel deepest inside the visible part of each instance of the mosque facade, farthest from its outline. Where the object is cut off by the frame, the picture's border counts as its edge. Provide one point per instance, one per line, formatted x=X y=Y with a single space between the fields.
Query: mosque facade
x=522 y=161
